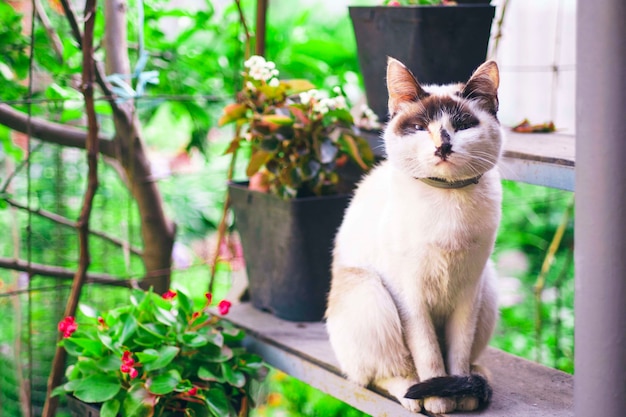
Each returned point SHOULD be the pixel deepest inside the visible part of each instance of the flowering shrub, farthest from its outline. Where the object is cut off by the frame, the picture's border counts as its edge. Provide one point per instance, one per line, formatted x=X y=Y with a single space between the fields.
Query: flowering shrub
x=299 y=135
x=159 y=357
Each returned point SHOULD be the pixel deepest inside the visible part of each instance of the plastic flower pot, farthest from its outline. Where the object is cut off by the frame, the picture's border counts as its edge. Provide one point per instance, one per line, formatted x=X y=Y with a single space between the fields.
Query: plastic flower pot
x=440 y=44
x=287 y=246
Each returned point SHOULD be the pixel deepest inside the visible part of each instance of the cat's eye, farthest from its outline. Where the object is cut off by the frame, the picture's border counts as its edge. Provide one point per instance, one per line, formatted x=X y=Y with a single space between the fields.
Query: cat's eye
x=419 y=128
x=466 y=124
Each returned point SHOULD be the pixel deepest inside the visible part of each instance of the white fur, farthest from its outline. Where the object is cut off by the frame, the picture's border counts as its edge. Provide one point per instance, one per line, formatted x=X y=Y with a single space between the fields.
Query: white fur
x=413 y=294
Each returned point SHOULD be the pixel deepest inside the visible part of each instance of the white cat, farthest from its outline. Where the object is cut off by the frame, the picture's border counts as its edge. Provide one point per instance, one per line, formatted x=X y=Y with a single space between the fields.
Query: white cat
x=412 y=302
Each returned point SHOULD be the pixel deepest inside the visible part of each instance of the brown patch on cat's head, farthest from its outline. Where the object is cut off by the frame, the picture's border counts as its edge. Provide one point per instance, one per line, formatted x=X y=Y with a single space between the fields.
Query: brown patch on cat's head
x=402 y=86
x=482 y=87
x=420 y=114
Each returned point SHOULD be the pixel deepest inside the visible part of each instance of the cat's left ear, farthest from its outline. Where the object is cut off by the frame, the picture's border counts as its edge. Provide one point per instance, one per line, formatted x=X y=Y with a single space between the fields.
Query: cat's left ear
x=483 y=87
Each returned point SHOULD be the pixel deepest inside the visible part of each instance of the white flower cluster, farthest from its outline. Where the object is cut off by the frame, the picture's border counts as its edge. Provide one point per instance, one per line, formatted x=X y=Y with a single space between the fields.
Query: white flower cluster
x=367 y=118
x=261 y=70
x=321 y=103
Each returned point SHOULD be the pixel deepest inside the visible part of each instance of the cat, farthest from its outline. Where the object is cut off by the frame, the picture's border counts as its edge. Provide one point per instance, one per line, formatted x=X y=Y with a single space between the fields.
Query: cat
x=412 y=302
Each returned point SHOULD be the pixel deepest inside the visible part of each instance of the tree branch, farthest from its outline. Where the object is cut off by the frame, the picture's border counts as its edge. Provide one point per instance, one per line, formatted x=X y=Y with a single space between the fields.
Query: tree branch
x=67 y=222
x=51 y=132
x=58 y=364
x=60 y=272
x=57 y=45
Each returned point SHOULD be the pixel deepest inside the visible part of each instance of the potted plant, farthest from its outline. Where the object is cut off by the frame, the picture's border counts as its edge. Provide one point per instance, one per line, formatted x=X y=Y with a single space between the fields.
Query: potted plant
x=157 y=356
x=443 y=41
x=301 y=140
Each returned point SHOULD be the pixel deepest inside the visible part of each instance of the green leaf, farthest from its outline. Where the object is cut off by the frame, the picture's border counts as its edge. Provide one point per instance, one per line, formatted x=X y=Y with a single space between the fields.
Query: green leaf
x=58 y=391
x=138 y=403
x=217 y=402
x=110 y=408
x=277 y=119
x=97 y=388
x=194 y=340
x=109 y=363
x=206 y=374
x=164 y=383
x=234 y=378
x=78 y=346
x=223 y=355
x=166 y=355
x=88 y=310
x=185 y=303
x=129 y=327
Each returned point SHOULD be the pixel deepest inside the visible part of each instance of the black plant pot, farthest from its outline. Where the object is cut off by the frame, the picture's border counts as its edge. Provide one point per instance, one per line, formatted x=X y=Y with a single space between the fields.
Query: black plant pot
x=287 y=246
x=440 y=44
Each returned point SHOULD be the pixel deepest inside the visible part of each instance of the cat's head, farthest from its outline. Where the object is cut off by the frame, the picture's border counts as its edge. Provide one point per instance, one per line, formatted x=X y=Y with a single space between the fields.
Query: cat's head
x=448 y=131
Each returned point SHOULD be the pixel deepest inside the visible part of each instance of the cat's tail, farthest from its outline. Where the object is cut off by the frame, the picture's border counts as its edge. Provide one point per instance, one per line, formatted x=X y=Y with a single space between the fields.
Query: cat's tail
x=473 y=385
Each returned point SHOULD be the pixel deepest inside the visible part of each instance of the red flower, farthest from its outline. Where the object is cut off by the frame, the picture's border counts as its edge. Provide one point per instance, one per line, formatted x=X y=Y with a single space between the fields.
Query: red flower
x=209 y=298
x=224 y=306
x=169 y=295
x=192 y=391
x=68 y=326
x=127 y=365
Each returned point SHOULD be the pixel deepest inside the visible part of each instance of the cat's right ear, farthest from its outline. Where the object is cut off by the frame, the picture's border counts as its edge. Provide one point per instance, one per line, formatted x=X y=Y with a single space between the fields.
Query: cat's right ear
x=402 y=86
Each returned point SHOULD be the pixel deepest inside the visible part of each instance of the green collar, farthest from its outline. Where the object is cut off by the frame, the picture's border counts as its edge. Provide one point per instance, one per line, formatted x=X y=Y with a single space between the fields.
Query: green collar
x=443 y=183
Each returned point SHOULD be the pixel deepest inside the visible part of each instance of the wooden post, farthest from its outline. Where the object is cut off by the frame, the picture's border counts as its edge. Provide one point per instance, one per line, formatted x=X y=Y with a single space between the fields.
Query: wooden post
x=600 y=225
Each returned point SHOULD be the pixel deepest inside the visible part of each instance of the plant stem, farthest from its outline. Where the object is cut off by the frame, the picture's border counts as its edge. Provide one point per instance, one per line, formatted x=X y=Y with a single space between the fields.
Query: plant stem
x=88 y=77
x=545 y=268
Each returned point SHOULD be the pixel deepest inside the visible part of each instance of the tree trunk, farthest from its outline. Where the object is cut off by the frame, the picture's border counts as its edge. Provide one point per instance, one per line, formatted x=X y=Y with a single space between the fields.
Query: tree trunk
x=156 y=229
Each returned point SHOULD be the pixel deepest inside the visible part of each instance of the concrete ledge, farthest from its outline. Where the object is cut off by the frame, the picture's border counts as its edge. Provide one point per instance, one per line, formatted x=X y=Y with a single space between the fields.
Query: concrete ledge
x=521 y=388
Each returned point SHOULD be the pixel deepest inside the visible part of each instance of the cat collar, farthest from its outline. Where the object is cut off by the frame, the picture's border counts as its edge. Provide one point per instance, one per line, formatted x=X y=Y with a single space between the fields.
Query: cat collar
x=443 y=183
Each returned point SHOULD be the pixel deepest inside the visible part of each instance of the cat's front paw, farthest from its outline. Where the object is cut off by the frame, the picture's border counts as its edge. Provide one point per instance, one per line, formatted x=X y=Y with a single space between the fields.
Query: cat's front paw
x=440 y=405
x=411 y=405
x=467 y=403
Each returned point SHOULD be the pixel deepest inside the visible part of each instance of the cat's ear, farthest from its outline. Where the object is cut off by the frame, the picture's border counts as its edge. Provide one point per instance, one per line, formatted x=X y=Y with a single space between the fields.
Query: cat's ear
x=402 y=86
x=483 y=86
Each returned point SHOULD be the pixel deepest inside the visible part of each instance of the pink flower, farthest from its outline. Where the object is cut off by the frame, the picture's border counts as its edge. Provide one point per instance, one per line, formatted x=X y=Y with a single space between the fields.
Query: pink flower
x=224 y=306
x=100 y=320
x=394 y=3
x=127 y=365
x=192 y=391
x=68 y=326
x=169 y=295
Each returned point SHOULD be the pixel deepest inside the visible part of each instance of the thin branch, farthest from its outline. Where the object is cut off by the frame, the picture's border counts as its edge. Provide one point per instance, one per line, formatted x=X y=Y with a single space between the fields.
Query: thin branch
x=67 y=222
x=18 y=168
x=545 y=268
x=246 y=31
x=60 y=272
x=51 y=132
x=57 y=45
x=73 y=21
x=58 y=363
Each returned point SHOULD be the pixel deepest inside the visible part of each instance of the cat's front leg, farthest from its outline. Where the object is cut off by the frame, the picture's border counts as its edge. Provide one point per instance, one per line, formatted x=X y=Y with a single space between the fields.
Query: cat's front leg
x=424 y=346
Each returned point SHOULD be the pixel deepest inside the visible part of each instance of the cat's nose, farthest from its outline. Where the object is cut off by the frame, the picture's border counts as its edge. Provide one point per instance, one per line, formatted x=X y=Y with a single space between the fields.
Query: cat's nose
x=445 y=149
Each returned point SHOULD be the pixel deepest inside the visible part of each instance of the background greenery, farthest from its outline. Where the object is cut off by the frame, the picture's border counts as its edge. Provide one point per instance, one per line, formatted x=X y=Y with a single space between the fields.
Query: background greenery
x=198 y=56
